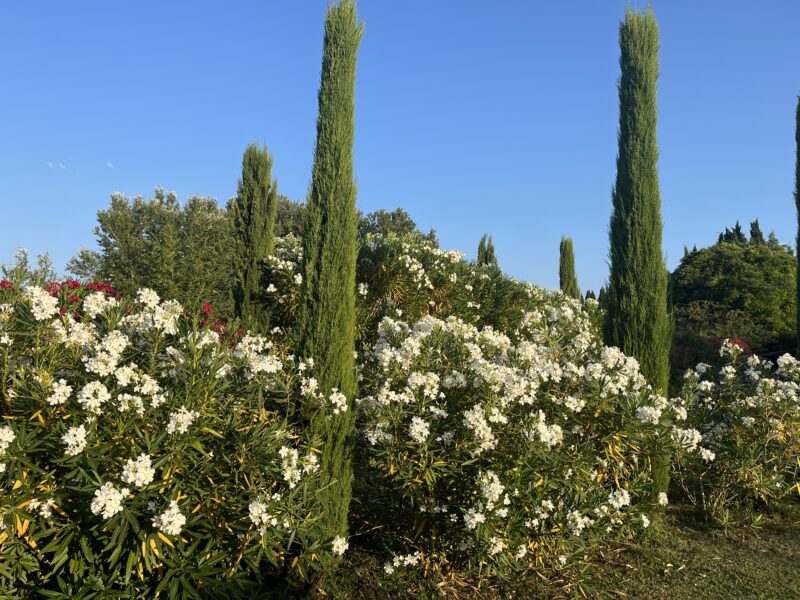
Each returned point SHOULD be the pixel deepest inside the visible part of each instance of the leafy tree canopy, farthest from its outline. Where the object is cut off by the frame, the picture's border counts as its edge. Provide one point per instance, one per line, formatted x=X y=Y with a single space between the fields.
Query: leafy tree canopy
x=738 y=289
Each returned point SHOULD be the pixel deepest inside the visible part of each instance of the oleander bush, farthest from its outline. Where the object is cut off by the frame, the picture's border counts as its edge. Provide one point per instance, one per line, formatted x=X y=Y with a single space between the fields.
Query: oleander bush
x=406 y=277
x=143 y=454
x=500 y=452
x=748 y=413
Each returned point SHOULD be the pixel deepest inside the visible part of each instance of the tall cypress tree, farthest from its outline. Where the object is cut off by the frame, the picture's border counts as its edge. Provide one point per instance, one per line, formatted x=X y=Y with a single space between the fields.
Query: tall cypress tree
x=486 y=255
x=567 y=279
x=253 y=220
x=326 y=325
x=797 y=204
x=637 y=320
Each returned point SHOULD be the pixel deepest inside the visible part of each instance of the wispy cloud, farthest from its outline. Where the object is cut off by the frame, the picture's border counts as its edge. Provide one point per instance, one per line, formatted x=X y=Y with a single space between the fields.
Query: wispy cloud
x=49 y=164
x=62 y=166
x=110 y=165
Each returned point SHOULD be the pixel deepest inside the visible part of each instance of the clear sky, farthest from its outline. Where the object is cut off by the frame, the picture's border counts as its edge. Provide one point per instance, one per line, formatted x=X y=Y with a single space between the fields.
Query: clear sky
x=475 y=117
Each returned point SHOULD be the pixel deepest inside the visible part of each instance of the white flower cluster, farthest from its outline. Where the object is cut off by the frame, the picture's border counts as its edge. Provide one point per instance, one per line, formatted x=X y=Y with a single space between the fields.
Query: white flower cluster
x=108 y=353
x=171 y=521
x=107 y=500
x=339 y=545
x=97 y=303
x=60 y=392
x=338 y=401
x=43 y=305
x=139 y=472
x=92 y=396
x=181 y=420
x=7 y=436
x=75 y=440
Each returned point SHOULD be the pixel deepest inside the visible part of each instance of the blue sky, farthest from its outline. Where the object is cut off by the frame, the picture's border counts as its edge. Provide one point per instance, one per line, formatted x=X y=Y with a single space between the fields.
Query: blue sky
x=475 y=117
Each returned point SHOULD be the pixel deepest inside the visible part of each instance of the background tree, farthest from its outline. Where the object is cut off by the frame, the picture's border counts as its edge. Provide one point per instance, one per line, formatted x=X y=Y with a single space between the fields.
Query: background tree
x=289 y=217
x=567 y=279
x=180 y=251
x=486 y=255
x=327 y=313
x=253 y=219
x=738 y=290
x=398 y=222
x=636 y=320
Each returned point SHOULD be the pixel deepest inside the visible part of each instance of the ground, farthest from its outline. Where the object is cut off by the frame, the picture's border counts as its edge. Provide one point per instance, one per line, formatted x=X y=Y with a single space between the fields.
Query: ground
x=681 y=559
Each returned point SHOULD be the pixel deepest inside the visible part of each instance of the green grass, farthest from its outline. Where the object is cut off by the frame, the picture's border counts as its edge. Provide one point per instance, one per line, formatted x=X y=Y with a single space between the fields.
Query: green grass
x=681 y=558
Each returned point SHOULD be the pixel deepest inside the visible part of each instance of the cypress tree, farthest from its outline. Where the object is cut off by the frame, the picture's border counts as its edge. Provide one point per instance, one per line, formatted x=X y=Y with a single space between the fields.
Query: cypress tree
x=326 y=326
x=486 y=256
x=797 y=204
x=567 y=279
x=756 y=235
x=637 y=320
x=253 y=221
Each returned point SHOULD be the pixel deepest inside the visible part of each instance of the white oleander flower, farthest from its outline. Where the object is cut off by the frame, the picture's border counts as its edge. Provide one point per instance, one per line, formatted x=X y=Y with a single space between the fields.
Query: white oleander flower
x=291 y=472
x=60 y=392
x=107 y=500
x=7 y=436
x=75 y=439
x=171 y=521
x=92 y=396
x=148 y=297
x=338 y=400
x=339 y=545
x=181 y=420
x=139 y=472
x=419 y=430
x=43 y=305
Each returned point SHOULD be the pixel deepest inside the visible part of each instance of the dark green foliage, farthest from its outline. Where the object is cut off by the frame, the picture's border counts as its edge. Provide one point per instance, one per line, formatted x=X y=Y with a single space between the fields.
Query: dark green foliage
x=637 y=321
x=326 y=325
x=738 y=290
x=253 y=220
x=590 y=295
x=733 y=236
x=567 y=279
x=182 y=252
x=797 y=205
x=383 y=222
x=486 y=255
x=756 y=235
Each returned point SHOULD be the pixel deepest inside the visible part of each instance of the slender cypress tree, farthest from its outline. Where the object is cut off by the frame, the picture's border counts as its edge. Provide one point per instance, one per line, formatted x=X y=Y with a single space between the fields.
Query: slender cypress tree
x=567 y=279
x=253 y=220
x=486 y=256
x=756 y=235
x=637 y=320
x=797 y=204
x=326 y=325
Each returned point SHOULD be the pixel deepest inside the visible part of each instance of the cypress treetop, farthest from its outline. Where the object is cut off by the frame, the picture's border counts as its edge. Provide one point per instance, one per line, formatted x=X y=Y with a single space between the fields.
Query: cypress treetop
x=567 y=279
x=253 y=220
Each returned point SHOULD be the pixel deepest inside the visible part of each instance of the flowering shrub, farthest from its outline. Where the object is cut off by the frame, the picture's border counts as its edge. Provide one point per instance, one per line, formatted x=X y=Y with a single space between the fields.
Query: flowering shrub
x=402 y=277
x=748 y=414
x=506 y=452
x=140 y=455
